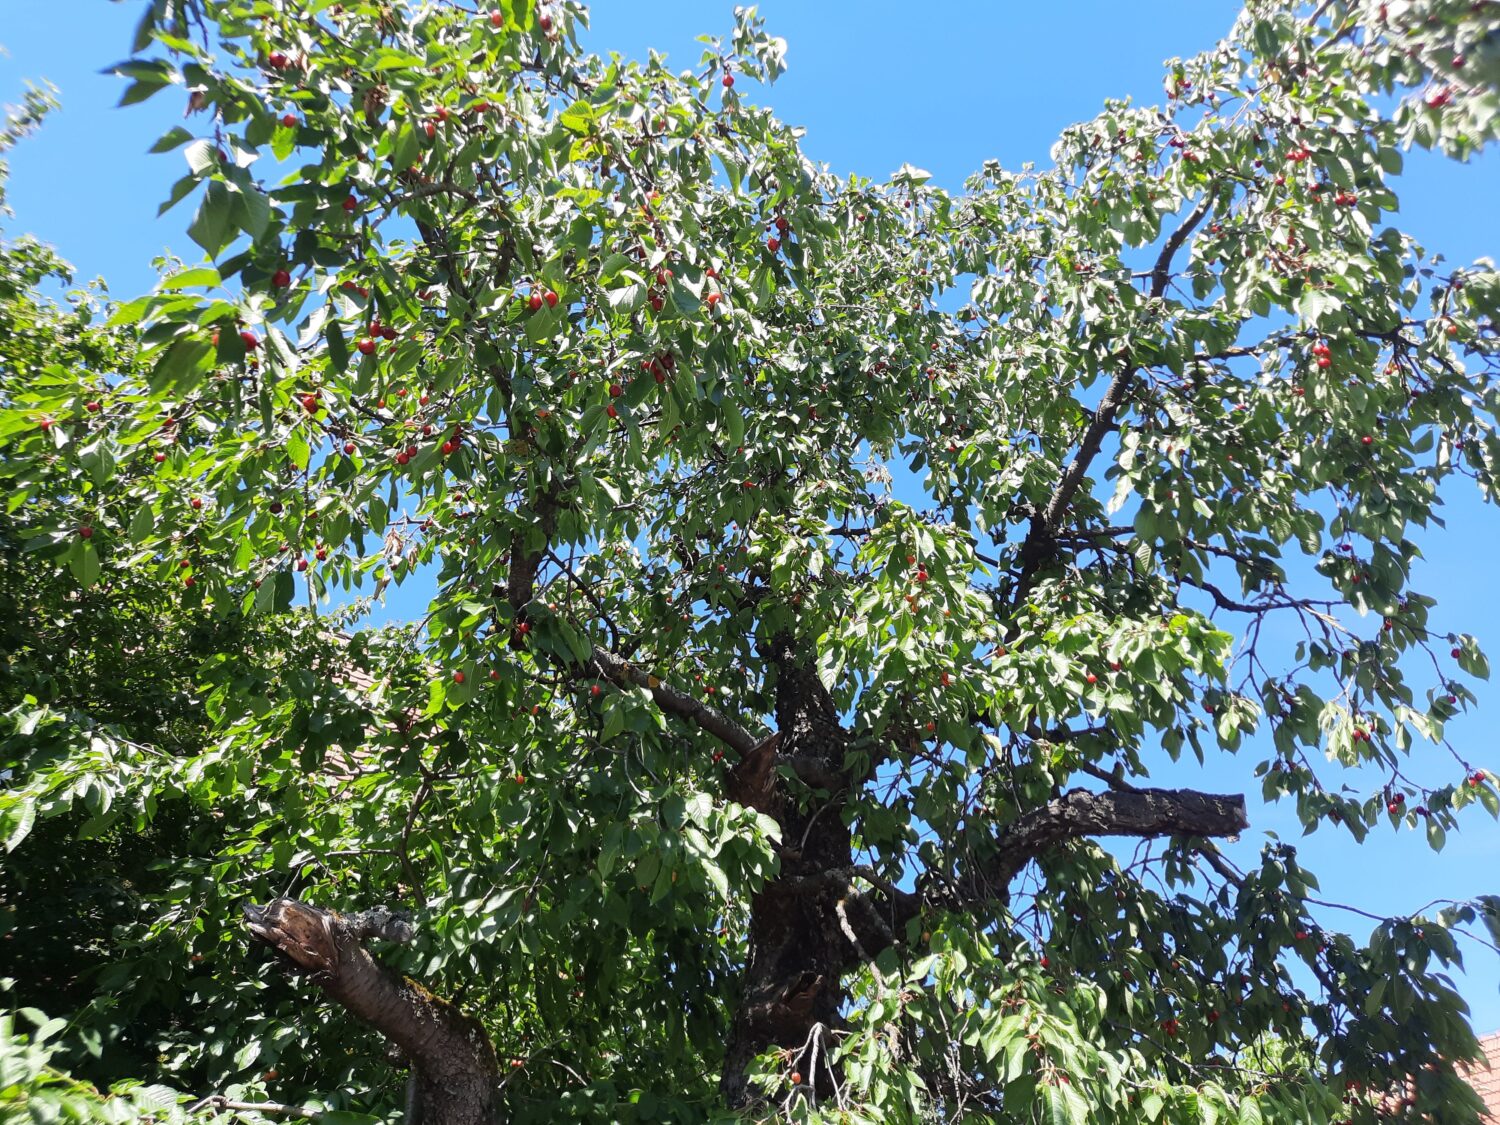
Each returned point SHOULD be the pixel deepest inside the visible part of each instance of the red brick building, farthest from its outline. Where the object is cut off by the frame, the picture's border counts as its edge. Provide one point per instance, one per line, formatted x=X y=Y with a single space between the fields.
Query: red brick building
x=1487 y=1082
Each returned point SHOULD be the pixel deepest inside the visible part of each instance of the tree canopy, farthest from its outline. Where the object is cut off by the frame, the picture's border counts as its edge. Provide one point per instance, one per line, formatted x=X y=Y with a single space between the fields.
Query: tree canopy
x=824 y=573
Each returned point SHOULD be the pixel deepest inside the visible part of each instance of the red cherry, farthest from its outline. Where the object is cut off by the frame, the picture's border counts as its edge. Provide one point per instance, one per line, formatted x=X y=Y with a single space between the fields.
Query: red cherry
x=350 y=203
x=596 y=691
x=289 y=120
x=91 y=407
x=448 y=448
x=189 y=581
x=728 y=81
x=494 y=675
x=158 y=457
x=277 y=61
x=250 y=339
x=403 y=457
x=389 y=333
x=796 y=1078
x=1091 y=678
x=534 y=302
x=87 y=532
x=196 y=504
x=782 y=224
x=1366 y=440
x=712 y=299
x=1455 y=653
x=544 y=22
x=430 y=129
x=497 y=19
x=657 y=303
x=551 y=299
x=348 y=447
x=615 y=390
x=301 y=565
x=281 y=279
x=366 y=347
x=611 y=411
x=773 y=244
x=310 y=403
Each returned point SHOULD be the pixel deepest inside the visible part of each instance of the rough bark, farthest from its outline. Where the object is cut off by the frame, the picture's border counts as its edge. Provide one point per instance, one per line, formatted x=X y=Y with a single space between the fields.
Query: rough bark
x=1137 y=812
x=454 y=1062
x=798 y=951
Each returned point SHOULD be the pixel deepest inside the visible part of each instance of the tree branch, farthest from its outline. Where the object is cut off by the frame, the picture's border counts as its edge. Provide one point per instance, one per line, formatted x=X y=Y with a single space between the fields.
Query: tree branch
x=449 y=1051
x=668 y=698
x=1045 y=524
x=1139 y=812
x=220 y=1102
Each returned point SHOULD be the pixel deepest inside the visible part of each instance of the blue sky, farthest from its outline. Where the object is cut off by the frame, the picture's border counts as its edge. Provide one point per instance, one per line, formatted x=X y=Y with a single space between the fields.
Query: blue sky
x=877 y=83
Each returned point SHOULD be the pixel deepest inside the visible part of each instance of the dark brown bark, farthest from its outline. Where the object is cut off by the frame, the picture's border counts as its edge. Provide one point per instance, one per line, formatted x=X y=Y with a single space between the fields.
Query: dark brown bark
x=798 y=951
x=449 y=1052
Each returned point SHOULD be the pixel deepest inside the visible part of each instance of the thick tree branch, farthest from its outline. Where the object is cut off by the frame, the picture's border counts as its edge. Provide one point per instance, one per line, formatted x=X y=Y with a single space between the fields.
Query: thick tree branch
x=449 y=1051
x=1139 y=812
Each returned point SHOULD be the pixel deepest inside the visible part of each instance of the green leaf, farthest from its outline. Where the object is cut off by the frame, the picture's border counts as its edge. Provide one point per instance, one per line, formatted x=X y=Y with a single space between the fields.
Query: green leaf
x=19 y=819
x=213 y=226
x=205 y=276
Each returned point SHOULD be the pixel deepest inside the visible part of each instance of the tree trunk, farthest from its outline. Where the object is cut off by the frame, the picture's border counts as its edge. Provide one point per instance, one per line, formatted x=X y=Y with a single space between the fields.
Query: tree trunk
x=450 y=1054
x=799 y=953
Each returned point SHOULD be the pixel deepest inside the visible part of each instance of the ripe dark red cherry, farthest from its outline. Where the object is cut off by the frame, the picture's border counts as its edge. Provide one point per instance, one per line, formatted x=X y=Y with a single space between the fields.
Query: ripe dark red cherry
x=289 y=120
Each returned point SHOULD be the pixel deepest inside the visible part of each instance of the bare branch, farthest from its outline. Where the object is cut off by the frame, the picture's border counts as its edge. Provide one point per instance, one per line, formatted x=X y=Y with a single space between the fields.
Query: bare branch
x=1139 y=812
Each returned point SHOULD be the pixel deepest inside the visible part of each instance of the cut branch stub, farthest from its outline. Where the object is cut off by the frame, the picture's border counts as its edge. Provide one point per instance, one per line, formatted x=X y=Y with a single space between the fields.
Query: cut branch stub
x=1139 y=812
x=450 y=1053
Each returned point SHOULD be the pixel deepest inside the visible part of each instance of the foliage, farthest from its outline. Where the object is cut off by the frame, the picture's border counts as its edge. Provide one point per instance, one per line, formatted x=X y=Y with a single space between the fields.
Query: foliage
x=591 y=347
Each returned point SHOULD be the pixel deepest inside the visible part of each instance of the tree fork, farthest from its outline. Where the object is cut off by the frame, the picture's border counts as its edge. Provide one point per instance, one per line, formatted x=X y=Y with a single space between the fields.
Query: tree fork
x=454 y=1062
